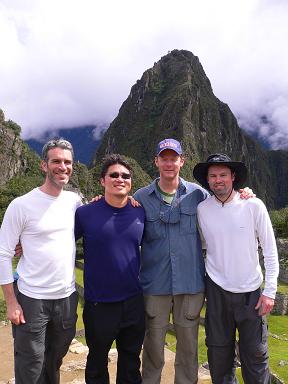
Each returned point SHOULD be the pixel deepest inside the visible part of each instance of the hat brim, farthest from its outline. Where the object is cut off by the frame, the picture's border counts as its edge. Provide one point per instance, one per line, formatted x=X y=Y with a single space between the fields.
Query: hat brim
x=201 y=169
x=171 y=149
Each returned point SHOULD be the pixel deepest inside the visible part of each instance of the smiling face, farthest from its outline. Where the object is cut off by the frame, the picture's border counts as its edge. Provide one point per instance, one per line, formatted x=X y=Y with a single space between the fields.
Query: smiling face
x=116 y=187
x=169 y=164
x=58 y=169
x=220 y=179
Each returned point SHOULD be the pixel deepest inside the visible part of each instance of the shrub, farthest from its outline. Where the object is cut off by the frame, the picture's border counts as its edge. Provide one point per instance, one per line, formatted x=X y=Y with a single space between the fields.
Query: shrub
x=280 y=222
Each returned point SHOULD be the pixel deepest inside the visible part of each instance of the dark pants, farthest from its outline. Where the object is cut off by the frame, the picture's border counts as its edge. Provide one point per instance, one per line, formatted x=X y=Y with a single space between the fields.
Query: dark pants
x=121 y=321
x=225 y=313
x=41 y=343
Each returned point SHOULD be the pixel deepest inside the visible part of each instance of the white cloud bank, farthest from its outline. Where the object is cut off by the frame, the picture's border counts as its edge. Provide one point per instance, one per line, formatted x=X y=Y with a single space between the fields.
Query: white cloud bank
x=66 y=63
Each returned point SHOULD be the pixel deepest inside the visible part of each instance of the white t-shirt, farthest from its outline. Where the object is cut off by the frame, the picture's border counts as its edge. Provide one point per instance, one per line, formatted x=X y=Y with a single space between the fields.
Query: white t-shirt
x=231 y=234
x=45 y=226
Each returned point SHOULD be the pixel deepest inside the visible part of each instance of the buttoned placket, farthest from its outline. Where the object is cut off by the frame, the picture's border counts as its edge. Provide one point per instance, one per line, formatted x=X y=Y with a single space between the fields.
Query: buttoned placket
x=175 y=205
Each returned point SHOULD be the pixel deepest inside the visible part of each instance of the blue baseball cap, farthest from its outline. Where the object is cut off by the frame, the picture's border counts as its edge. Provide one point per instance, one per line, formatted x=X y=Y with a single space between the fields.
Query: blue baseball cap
x=169 y=144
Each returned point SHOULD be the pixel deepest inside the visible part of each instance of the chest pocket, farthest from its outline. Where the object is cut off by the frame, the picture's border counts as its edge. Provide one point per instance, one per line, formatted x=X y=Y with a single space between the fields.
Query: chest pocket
x=188 y=220
x=154 y=228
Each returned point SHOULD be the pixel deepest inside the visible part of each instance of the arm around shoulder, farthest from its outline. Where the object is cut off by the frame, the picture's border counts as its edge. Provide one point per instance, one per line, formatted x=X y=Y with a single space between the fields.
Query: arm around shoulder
x=11 y=230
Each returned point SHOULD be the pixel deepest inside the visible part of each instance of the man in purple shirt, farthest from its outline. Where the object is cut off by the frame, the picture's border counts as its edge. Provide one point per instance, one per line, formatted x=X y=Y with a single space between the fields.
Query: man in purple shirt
x=114 y=310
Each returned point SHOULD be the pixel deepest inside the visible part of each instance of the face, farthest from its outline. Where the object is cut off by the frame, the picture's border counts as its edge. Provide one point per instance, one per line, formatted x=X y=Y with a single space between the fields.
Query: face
x=169 y=164
x=58 y=168
x=220 y=179
x=114 y=183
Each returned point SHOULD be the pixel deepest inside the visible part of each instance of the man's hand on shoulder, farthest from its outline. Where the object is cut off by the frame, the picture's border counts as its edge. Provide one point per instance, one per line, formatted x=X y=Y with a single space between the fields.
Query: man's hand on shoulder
x=265 y=305
x=134 y=202
x=96 y=198
x=246 y=193
x=18 y=250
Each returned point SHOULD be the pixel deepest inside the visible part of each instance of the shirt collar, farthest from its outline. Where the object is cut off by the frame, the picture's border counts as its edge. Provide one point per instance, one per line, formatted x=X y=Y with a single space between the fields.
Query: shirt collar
x=181 y=187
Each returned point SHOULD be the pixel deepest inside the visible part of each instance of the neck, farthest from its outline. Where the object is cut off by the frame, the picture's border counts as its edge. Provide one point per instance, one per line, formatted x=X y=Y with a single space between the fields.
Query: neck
x=169 y=186
x=51 y=190
x=225 y=198
x=116 y=201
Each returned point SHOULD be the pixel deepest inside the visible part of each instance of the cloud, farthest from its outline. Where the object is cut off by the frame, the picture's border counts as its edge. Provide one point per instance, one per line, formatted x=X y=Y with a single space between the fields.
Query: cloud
x=70 y=62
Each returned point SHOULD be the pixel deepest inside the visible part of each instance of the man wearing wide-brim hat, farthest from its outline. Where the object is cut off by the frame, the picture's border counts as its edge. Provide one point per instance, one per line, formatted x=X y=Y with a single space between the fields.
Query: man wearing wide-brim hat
x=231 y=228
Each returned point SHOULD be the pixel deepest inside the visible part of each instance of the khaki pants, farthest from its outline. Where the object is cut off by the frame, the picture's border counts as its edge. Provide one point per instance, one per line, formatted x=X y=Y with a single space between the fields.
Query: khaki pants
x=186 y=314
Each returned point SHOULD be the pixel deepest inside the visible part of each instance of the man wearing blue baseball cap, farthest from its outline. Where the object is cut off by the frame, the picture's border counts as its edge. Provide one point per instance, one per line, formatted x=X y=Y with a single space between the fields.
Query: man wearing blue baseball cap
x=172 y=266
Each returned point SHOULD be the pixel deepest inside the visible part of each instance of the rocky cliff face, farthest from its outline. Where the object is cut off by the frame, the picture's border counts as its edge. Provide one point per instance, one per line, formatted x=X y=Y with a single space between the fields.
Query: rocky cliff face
x=12 y=158
x=175 y=99
x=20 y=167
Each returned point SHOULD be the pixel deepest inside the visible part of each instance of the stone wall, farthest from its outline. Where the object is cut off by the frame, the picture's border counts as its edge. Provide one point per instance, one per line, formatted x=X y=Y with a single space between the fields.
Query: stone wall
x=283 y=275
x=281 y=304
x=281 y=301
x=282 y=245
x=276 y=380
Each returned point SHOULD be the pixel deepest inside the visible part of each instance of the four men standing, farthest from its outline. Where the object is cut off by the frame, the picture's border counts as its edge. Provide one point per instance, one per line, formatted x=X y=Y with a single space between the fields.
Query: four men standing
x=171 y=271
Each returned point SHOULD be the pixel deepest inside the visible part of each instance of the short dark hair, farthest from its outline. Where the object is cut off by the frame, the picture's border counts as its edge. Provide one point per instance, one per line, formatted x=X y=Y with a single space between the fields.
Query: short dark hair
x=56 y=143
x=113 y=159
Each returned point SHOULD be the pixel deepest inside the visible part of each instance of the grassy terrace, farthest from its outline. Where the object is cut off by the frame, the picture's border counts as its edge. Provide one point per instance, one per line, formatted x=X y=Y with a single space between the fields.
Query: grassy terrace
x=282 y=288
x=278 y=333
x=278 y=336
x=79 y=280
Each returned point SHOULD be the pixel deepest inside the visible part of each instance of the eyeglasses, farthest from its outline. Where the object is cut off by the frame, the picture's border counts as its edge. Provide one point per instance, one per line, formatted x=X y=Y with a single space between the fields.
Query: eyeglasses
x=116 y=175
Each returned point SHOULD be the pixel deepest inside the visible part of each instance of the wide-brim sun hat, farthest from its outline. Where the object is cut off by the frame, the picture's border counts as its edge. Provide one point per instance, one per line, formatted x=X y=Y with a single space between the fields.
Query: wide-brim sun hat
x=200 y=170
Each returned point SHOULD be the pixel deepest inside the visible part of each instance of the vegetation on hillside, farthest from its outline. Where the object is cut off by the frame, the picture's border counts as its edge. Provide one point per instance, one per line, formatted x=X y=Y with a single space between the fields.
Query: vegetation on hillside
x=175 y=99
x=85 y=181
x=28 y=179
x=12 y=125
x=280 y=222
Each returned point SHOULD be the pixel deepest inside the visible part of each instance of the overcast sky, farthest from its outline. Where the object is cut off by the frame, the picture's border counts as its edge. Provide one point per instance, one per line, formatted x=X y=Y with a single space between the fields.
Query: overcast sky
x=67 y=63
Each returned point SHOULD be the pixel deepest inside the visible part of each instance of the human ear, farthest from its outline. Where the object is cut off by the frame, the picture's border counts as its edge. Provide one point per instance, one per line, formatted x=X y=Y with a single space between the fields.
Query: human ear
x=43 y=165
x=156 y=161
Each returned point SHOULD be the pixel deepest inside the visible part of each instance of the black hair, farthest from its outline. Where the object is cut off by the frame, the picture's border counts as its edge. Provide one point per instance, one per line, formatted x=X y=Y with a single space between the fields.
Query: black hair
x=113 y=159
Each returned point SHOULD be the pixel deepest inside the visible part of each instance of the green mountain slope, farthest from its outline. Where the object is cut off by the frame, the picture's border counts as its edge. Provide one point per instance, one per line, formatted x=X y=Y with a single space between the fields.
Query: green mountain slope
x=175 y=99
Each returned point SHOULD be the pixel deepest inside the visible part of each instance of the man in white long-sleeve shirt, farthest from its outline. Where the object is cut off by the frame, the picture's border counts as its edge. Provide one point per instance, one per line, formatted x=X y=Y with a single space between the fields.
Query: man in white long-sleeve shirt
x=43 y=309
x=231 y=228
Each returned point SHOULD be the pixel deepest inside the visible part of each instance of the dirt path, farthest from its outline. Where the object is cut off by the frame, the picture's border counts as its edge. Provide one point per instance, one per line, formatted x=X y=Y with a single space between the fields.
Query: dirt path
x=72 y=370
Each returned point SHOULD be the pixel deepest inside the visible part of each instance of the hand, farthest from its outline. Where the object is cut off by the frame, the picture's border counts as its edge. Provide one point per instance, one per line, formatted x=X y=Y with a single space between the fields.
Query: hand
x=96 y=198
x=265 y=305
x=134 y=202
x=246 y=193
x=18 y=250
x=15 y=313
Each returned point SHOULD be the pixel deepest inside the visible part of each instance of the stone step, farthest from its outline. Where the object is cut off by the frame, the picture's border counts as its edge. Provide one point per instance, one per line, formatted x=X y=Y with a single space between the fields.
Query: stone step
x=77 y=348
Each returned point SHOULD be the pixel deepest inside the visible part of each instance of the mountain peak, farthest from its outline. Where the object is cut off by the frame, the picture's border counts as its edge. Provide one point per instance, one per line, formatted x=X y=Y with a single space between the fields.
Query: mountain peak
x=175 y=99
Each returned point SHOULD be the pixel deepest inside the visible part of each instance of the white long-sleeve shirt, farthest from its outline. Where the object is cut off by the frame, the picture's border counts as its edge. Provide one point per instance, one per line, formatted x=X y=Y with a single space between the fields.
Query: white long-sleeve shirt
x=45 y=226
x=231 y=234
